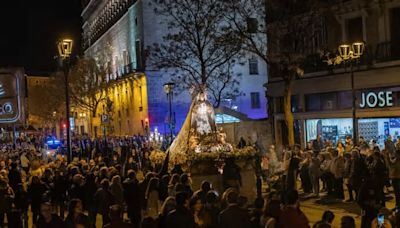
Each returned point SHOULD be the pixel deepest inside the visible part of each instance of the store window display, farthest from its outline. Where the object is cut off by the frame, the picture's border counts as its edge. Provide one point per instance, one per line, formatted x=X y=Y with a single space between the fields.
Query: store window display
x=329 y=129
x=379 y=130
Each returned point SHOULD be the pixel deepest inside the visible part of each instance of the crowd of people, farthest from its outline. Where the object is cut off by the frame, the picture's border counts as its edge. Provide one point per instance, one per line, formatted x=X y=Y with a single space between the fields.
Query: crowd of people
x=368 y=173
x=114 y=183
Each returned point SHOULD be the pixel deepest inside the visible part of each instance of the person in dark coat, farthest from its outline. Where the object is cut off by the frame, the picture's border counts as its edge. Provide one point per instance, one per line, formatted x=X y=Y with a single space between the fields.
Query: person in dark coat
x=377 y=172
x=305 y=174
x=394 y=175
x=133 y=198
x=21 y=202
x=202 y=193
x=77 y=190
x=184 y=185
x=234 y=216
x=291 y=215
x=60 y=191
x=6 y=199
x=103 y=199
x=293 y=168
x=36 y=191
x=47 y=219
x=318 y=144
x=357 y=171
x=76 y=216
x=369 y=202
x=163 y=187
x=231 y=175
x=181 y=217
x=14 y=176
x=117 y=221
x=90 y=190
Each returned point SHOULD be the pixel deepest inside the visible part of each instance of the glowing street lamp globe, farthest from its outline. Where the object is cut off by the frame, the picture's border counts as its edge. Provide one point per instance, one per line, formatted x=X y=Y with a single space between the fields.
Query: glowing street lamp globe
x=345 y=51
x=358 y=49
x=168 y=87
x=65 y=48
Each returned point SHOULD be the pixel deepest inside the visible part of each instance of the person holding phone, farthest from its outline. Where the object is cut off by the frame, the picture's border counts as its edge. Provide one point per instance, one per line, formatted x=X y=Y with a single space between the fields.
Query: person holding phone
x=382 y=219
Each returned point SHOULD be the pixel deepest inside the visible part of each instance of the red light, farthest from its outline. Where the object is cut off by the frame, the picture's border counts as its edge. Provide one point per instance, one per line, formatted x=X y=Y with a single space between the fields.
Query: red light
x=146 y=120
x=64 y=126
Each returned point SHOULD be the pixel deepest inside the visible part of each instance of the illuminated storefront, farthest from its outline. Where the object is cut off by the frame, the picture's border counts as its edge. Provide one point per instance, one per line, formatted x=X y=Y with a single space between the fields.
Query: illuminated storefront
x=329 y=129
x=377 y=115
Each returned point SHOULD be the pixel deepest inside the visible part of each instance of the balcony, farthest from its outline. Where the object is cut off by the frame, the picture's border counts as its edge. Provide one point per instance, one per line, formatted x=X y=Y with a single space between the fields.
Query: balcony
x=315 y=65
x=124 y=72
x=387 y=51
x=382 y=52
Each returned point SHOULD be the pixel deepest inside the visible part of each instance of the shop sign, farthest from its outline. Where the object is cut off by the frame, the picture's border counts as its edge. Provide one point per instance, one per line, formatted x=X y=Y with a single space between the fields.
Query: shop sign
x=376 y=99
x=9 y=98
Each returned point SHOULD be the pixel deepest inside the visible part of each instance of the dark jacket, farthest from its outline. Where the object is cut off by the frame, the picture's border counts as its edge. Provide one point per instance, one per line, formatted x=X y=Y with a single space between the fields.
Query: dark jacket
x=14 y=178
x=377 y=169
x=103 y=200
x=292 y=217
x=55 y=222
x=36 y=192
x=394 y=167
x=234 y=217
x=180 y=218
x=119 y=224
x=358 y=172
x=60 y=188
x=70 y=221
x=132 y=195
x=6 y=199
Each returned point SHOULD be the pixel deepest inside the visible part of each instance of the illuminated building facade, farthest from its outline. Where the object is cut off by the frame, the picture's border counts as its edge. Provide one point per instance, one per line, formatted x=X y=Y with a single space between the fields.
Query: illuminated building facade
x=120 y=30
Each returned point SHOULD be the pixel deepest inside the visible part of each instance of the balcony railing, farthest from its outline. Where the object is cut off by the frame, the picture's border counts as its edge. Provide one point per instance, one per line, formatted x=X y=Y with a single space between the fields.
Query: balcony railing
x=387 y=51
x=123 y=72
x=382 y=52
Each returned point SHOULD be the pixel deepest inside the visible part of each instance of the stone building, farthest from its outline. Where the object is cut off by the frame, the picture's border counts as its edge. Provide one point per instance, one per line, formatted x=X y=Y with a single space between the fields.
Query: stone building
x=322 y=99
x=119 y=31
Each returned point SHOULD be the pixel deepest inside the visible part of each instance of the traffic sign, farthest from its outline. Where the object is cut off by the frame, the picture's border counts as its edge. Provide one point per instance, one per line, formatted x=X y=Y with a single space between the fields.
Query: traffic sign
x=104 y=118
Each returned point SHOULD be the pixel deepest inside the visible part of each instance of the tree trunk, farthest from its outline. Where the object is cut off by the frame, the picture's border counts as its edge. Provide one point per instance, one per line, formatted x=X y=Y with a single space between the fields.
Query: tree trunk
x=289 y=120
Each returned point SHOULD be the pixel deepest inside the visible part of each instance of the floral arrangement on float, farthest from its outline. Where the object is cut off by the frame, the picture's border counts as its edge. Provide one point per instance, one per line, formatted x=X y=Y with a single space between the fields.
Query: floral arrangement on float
x=221 y=153
x=157 y=156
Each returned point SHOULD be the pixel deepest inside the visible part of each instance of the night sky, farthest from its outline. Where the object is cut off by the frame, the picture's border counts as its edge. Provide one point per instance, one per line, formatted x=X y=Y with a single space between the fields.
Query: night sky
x=30 y=30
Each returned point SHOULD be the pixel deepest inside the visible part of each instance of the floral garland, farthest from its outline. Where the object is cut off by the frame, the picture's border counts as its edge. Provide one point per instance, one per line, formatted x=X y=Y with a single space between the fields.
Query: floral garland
x=221 y=154
x=216 y=153
x=157 y=156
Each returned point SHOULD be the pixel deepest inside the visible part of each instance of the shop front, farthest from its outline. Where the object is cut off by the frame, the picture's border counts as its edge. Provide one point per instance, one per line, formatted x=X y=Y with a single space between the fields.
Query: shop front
x=377 y=113
x=334 y=130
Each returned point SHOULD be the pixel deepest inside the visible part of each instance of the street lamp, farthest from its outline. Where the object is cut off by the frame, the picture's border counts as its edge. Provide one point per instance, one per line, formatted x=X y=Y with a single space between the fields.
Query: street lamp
x=168 y=89
x=348 y=53
x=64 y=51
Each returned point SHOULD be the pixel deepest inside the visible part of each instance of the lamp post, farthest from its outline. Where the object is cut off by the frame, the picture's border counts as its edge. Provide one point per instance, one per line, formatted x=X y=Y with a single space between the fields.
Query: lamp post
x=64 y=51
x=349 y=53
x=168 y=89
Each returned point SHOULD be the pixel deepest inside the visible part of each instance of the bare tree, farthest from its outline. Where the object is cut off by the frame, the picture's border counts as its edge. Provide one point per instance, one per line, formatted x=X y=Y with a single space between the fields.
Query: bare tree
x=49 y=112
x=293 y=31
x=199 y=48
x=88 y=85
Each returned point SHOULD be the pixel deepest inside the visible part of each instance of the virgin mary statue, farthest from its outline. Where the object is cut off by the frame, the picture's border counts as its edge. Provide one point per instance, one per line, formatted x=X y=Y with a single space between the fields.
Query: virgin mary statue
x=199 y=121
x=203 y=116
